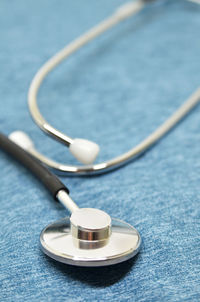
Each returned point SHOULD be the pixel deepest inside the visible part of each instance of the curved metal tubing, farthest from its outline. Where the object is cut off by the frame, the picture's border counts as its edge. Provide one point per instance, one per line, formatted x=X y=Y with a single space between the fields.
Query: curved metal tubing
x=120 y=14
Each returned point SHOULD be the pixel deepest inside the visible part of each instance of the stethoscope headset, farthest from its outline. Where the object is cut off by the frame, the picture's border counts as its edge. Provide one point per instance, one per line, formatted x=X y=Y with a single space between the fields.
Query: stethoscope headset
x=89 y=237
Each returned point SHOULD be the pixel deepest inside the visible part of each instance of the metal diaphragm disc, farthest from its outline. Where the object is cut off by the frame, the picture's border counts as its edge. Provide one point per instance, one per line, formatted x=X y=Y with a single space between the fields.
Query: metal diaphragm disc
x=57 y=242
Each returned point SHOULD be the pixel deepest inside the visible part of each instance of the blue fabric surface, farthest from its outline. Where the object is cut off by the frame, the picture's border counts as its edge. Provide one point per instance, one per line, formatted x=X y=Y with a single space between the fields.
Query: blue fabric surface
x=115 y=91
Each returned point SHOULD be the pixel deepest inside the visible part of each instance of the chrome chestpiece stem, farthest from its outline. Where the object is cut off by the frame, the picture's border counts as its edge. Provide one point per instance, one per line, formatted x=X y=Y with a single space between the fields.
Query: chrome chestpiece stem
x=87 y=225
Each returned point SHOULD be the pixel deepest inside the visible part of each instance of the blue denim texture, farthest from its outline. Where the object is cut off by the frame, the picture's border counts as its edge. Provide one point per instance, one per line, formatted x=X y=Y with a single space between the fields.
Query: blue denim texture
x=115 y=91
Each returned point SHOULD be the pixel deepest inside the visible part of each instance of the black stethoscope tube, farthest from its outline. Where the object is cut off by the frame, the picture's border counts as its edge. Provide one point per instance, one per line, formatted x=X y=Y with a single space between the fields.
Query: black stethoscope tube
x=50 y=181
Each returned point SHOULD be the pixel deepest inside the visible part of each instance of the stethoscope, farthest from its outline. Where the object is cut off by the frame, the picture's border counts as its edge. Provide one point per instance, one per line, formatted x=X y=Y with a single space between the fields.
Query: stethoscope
x=89 y=237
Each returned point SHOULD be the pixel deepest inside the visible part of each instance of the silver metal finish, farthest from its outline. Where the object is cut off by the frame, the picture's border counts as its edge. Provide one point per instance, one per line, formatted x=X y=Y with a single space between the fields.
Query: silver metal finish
x=90 y=228
x=58 y=243
x=120 y=14
x=116 y=162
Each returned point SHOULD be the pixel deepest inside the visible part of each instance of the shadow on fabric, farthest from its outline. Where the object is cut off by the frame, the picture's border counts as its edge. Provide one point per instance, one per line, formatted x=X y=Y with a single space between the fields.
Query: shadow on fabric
x=95 y=276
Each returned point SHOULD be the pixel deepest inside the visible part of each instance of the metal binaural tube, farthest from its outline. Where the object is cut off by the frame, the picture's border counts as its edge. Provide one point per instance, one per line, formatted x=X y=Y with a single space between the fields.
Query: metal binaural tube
x=120 y=14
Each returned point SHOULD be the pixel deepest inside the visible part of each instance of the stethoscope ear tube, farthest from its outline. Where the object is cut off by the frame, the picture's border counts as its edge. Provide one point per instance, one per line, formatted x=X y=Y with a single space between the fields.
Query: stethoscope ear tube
x=50 y=181
x=78 y=150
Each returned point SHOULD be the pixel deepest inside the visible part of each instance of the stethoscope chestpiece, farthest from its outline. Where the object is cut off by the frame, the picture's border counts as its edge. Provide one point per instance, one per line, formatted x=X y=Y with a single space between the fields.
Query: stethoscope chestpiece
x=90 y=238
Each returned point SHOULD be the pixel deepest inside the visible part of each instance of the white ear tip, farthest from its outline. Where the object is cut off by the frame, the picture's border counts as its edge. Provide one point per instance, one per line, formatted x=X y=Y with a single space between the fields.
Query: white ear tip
x=85 y=151
x=22 y=139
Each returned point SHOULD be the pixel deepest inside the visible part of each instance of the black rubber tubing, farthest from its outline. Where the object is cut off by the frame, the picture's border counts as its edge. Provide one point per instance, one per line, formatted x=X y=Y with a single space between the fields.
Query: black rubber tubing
x=50 y=181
